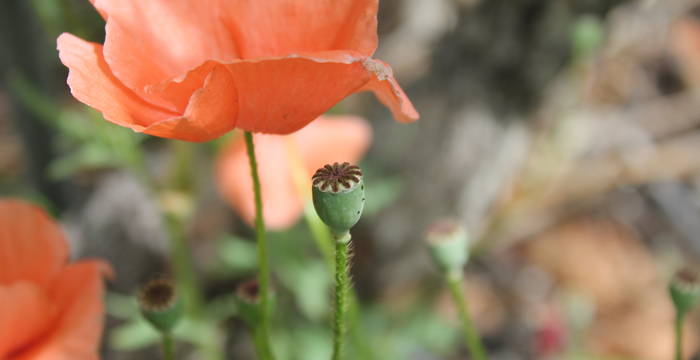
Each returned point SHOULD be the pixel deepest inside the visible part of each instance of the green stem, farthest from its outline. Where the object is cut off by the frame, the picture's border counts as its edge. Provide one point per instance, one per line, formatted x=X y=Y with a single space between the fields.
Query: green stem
x=261 y=342
x=342 y=285
x=471 y=337
x=678 y=325
x=263 y=261
x=168 y=347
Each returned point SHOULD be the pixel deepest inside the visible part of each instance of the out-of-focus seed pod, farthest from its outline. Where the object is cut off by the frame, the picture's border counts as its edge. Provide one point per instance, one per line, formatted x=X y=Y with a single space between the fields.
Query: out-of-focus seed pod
x=160 y=304
x=448 y=244
x=339 y=195
x=685 y=290
x=248 y=300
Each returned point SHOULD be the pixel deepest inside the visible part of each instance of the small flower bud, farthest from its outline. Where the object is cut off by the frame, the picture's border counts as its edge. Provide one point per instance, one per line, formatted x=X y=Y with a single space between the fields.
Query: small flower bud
x=685 y=290
x=160 y=304
x=339 y=195
x=448 y=245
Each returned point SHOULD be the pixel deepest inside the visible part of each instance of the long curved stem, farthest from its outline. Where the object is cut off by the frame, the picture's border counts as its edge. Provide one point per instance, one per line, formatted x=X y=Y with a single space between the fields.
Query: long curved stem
x=471 y=337
x=342 y=286
x=263 y=261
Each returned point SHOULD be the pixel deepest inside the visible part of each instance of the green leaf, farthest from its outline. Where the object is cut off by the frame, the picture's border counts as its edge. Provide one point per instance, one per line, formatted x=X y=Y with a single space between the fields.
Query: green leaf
x=309 y=282
x=238 y=255
x=135 y=334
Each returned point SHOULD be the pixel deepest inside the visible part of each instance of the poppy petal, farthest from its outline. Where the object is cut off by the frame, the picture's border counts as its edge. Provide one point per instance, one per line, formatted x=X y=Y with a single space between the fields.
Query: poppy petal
x=282 y=95
x=26 y=312
x=32 y=246
x=76 y=332
x=210 y=111
x=92 y=82
x=389 y=92
x=274 y=28
x=151 y=41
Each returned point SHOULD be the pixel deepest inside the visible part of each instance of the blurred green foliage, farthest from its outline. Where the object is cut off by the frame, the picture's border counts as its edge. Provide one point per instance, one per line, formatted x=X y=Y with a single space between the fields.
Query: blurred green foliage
x=87 y=141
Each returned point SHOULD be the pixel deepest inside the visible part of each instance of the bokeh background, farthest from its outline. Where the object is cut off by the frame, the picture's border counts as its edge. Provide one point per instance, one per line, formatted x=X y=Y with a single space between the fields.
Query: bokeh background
x=562 y=133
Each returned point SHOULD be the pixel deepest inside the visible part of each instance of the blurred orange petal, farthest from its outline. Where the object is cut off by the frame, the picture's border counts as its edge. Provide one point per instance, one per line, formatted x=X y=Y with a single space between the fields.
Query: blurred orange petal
x=233 y=175
x=76 y=331
x=685 y=46
x=32 y=247
x=49 y=310
x=25 y=313
x=333 y=139
x=327 y=139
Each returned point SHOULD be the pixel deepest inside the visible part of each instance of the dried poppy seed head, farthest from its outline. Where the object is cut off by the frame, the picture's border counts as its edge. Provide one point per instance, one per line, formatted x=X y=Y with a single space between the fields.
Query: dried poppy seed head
x=339 y=195
x=160 y=304
x=685 y=289
x=337 y=178
x=448 y=243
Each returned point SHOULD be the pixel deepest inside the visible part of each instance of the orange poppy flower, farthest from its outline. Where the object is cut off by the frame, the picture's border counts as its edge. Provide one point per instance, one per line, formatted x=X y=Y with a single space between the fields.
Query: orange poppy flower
x=193 y=69
x=49 y=310
x=286 y=163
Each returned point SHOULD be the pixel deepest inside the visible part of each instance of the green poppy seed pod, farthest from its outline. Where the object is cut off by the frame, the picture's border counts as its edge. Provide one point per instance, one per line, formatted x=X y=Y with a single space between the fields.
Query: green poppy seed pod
x=339 y=195
x=448 y=244
x=160 y=304
x=684 y=289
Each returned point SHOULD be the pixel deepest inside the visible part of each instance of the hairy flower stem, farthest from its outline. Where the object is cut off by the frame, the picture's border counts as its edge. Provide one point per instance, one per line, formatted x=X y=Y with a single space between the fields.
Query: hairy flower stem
x=324 y=241
x=678 y=326
x=263 y=261
x=471 y=337
x=168 y=347
x=342 y=286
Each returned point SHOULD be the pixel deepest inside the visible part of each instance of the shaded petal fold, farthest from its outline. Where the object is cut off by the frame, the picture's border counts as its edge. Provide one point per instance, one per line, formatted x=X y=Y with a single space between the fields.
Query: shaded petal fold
x=209 y=113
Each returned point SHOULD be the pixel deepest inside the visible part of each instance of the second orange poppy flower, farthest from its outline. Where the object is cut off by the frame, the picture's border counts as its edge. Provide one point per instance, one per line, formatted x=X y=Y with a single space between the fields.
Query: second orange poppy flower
x=286 y=165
